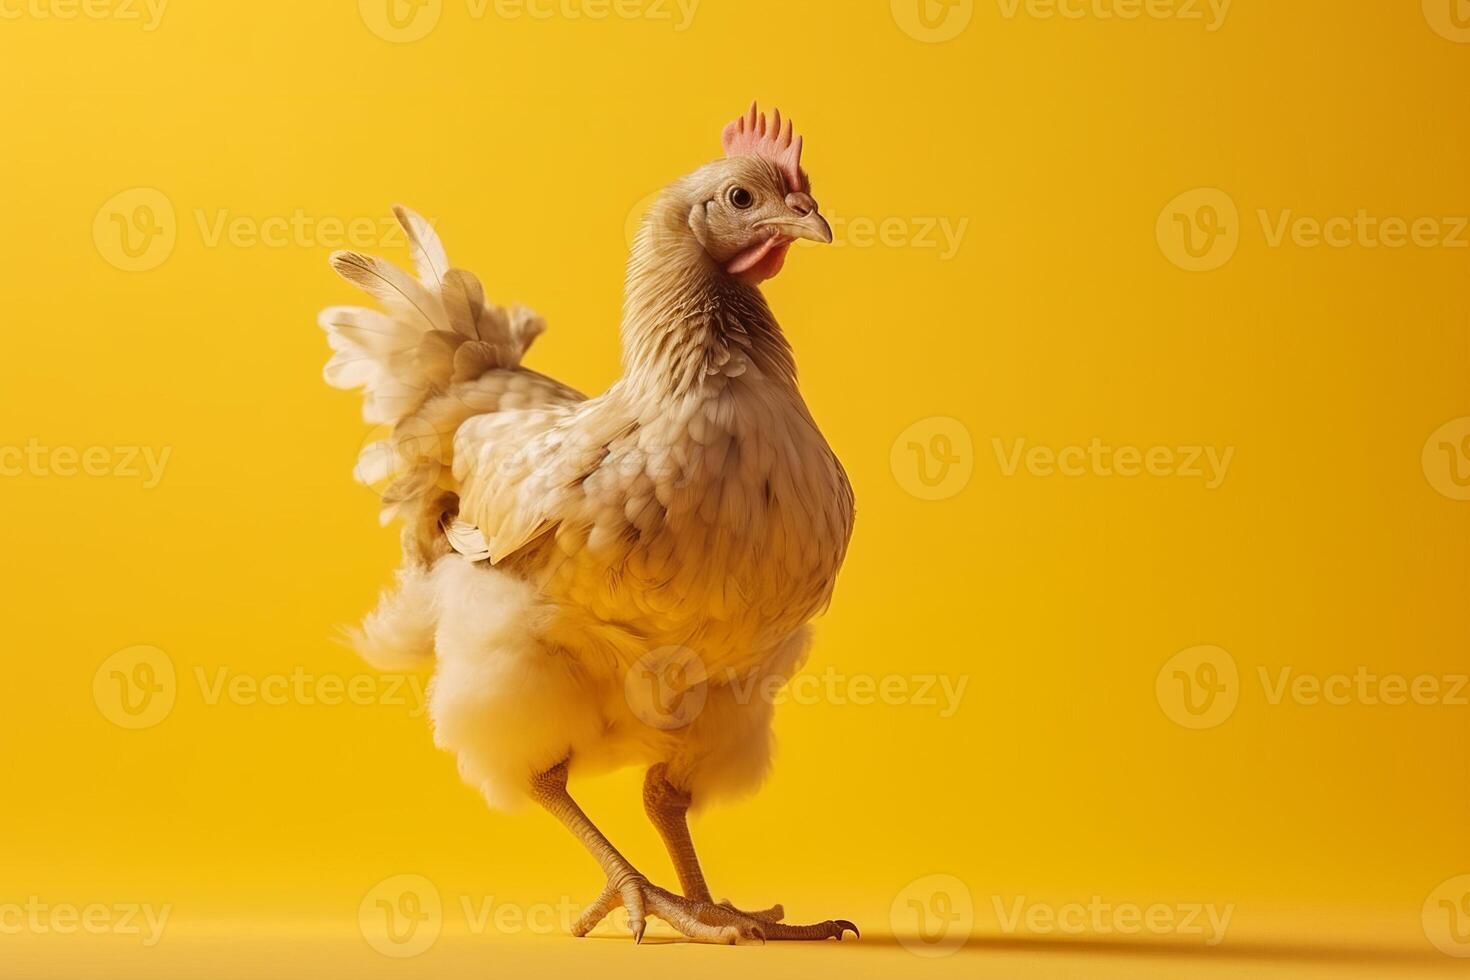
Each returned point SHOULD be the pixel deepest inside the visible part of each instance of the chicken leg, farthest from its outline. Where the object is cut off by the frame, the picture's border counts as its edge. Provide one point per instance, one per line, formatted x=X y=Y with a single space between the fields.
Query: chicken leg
x=668 y=806
x=698 y=919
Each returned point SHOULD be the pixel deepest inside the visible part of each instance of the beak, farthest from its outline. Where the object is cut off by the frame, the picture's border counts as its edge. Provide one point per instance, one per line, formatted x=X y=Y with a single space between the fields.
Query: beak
x=806 y=221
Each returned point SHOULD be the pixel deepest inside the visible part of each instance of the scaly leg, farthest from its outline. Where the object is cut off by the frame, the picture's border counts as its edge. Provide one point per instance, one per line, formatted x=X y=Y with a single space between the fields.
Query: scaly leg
x=667 y=807
x=699 y=920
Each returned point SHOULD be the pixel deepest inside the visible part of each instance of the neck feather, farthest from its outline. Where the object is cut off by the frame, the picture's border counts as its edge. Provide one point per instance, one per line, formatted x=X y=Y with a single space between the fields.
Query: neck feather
x=686 y=322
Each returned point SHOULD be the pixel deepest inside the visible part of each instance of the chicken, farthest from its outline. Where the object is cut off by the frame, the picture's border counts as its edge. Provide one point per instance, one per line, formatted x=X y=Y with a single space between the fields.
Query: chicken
x=619 y=580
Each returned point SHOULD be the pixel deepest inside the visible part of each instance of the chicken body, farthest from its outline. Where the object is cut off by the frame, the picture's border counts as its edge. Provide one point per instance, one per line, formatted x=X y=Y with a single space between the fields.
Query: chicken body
x=618 y=580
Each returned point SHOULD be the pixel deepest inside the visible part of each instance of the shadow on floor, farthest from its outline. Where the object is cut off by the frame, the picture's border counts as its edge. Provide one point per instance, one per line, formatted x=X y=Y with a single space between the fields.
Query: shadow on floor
x=1243 y=950
x=1279 y=952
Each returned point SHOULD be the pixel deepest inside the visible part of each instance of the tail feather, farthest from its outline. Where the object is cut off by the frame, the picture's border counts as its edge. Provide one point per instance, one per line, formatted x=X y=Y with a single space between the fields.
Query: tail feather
x=435 y=331
x=411 y=300
x=424 y=363
x=429 y=257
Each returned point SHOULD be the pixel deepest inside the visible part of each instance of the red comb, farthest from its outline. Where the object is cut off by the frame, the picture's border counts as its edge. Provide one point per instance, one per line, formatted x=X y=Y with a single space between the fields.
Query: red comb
x=751 y=136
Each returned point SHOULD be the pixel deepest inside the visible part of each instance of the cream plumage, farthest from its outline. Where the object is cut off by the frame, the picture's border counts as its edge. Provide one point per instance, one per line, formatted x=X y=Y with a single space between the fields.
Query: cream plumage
x=680 y=529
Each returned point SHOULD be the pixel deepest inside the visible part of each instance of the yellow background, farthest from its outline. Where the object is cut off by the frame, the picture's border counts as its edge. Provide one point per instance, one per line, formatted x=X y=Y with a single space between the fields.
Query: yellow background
x=1057 y=599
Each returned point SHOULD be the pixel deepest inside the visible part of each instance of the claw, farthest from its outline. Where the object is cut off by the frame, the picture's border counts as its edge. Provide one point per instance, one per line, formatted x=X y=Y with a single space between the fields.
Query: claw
x=701 y=921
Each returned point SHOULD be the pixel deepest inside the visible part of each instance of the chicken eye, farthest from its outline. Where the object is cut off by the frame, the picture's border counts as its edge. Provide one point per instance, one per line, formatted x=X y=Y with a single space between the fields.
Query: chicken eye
x=741 y=198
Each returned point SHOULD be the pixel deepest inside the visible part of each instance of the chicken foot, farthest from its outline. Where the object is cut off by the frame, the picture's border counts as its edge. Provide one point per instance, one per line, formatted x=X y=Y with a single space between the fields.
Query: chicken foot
x=698 y=919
